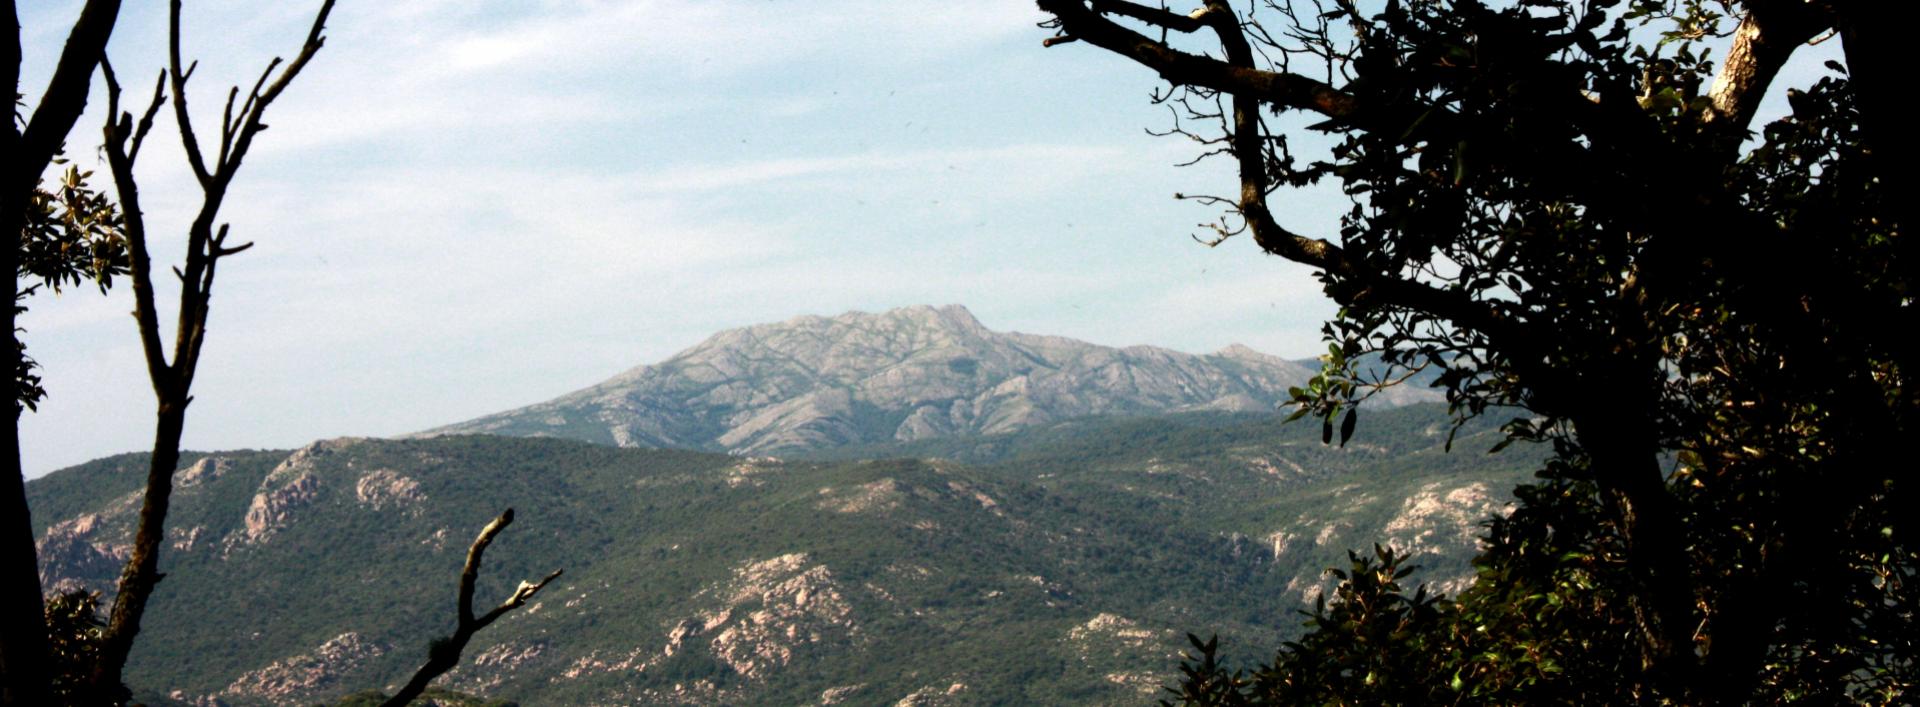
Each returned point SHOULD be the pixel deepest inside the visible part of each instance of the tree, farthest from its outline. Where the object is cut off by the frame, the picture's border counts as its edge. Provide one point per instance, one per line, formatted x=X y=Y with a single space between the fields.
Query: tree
x=30 y=145
x=73 y=233
x=1561 y=207
x=172 y=378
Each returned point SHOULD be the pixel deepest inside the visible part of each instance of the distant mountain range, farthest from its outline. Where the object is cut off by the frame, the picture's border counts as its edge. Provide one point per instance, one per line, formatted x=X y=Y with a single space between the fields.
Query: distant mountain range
x=955 y=516
x=902 y=375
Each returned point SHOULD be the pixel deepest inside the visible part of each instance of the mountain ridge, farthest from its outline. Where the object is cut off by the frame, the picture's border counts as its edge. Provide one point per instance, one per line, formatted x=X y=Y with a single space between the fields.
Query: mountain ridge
x=909 y=373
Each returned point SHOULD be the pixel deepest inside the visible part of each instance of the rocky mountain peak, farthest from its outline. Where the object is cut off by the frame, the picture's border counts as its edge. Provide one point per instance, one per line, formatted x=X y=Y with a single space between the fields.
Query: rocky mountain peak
x=1242 y=351
x=903 y=374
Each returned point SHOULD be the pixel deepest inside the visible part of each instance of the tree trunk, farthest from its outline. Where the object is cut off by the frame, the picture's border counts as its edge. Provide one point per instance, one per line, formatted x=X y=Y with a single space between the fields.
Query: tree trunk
x=23 y=626
x=1618 y=438
x=138 y=580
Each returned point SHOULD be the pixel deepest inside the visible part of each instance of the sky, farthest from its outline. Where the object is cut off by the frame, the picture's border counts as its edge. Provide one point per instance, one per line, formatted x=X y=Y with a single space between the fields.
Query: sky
x=465 y=207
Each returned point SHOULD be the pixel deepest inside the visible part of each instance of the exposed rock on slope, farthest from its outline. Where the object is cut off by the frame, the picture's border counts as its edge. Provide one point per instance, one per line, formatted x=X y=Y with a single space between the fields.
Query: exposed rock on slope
x=289 y=487
x=1090 y=548
x=901 y=375
x=73 y=556
x=304 y=676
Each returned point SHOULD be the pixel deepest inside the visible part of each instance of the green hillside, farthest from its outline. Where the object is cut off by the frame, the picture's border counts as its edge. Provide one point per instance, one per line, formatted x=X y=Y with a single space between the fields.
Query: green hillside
x=1060 y=566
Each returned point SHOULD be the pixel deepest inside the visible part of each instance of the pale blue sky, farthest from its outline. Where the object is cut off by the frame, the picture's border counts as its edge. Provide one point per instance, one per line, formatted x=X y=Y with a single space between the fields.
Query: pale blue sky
x=463 y=207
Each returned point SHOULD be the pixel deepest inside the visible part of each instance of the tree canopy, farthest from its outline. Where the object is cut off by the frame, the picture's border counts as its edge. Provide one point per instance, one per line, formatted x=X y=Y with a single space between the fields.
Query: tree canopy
x=1565 y=210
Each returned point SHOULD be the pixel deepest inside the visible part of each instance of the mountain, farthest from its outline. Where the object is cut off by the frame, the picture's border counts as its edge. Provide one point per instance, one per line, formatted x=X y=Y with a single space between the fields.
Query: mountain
x=1063 y=565
x=956 y=516
x=907 y=374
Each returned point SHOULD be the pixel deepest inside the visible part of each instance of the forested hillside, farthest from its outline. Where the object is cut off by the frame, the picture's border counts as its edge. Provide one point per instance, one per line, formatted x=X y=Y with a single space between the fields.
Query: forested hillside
x=1058 y=565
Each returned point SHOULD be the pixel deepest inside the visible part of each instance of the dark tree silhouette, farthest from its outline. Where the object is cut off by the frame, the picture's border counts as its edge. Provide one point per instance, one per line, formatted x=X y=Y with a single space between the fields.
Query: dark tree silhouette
x=1563 y=208
x=30 y=145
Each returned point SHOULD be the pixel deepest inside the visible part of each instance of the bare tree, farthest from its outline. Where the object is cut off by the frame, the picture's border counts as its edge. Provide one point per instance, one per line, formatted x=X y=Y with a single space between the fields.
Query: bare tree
x=29 y=148
x=23 y=650
x=207 y=244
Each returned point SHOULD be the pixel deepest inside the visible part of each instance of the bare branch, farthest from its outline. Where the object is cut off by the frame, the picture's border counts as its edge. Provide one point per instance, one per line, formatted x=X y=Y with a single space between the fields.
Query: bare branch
x=521 y=594
x=1248 y=139
x=119 y=131
x=146 y=118
x=444 y=654
x=179 y=78
x=226 y=123
x=252 y=125
x=1283 y=89
x=232 y=127
x=471 y=571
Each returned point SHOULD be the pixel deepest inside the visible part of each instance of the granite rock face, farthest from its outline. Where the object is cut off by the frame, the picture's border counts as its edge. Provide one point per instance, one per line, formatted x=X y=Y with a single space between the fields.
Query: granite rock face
x=912 y=373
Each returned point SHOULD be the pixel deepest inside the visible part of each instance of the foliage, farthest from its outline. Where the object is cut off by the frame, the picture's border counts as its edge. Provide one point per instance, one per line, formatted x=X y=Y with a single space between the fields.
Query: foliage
x=1548 y=210
x=1373 y=645
x=72 y=234
x=73 y=642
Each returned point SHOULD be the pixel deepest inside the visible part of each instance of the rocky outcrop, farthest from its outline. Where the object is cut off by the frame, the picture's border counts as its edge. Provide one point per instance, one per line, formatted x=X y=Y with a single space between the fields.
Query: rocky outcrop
x=934 y=696
x=837 y=695
x=1445 y=521
x=75 y=558
x=297 y=679
x=775 y=607
x=884 y=494
x=752 y=471
x=382 y=489
x=273 y=508
x=1115 y=629
x=1110 y=639
x=86 y=552
x=490 y=667
x=906 y=374
x=292 y=485
x=758 y=622
x=202 y=471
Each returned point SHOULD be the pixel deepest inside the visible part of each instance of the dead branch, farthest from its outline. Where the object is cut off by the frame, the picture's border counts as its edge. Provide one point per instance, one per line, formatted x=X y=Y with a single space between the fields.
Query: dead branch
x=444 y=654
